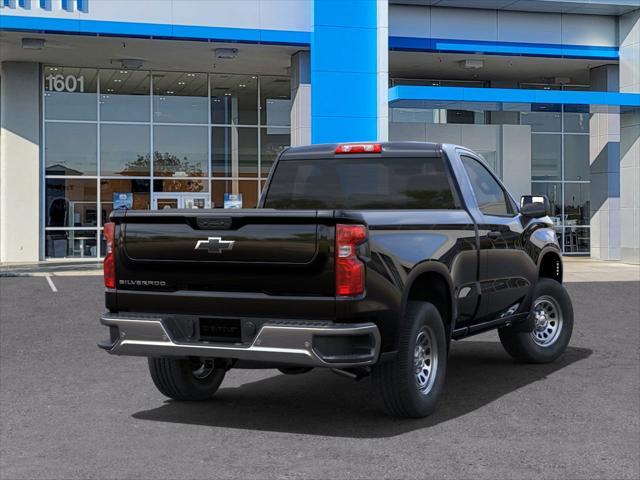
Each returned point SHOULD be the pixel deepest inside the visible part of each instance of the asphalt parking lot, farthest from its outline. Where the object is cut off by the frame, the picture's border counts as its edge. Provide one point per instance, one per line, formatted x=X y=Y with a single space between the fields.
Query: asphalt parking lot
x=69 y=410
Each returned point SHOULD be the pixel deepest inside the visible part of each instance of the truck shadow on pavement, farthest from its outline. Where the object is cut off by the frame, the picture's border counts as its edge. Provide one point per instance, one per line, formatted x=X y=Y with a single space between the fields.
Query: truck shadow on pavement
x=325 y=404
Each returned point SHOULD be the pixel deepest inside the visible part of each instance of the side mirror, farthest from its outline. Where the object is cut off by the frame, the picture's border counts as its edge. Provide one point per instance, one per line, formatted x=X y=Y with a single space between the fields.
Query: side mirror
x=534 y=206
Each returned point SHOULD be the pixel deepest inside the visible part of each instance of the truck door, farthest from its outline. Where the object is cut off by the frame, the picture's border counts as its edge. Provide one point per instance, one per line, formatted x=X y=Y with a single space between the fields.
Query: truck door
x=507 y=273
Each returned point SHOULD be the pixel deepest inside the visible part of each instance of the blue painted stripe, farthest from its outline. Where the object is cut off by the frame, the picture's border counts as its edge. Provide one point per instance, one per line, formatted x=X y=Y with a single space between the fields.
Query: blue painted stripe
x=130 y=29
x=502 y=48
x=512 y=95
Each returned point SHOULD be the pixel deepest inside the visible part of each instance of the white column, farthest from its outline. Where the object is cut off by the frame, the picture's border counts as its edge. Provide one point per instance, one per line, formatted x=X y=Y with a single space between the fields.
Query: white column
x=629 y=31
x=604 y=159
x=300 y=100
x=20 y=162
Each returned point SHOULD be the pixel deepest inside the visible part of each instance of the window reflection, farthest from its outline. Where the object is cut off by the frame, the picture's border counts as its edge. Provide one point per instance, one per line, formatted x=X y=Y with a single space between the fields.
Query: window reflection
x=124 y=96
x=272 y=142
x=70 y=148
x=180 y=186
x=110 y=118
x=275 y=101
x=180 y=97
x=547 y=118
x=70 y=93
x=576 y=157
x=546 y=157
x=234 y=99
x=180 y=151
x=124 y=150
x=576 y=203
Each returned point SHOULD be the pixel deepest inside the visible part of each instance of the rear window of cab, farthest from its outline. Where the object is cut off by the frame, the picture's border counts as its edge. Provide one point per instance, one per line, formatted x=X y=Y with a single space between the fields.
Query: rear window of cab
x=381 y=183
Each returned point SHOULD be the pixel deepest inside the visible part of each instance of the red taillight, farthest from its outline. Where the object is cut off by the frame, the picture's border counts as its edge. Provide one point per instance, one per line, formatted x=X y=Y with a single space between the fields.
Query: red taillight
x=349 y=268
x=109 y=266
x=359 y=148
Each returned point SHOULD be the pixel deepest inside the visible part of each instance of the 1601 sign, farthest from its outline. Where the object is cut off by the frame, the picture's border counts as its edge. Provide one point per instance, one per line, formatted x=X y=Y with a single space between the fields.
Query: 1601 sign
x=61 y=83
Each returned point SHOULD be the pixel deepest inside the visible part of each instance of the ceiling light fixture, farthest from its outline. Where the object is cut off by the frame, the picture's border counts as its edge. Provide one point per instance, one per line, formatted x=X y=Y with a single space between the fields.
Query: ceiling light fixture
x=226 y=53
x=129 y=63
x=472 y=64
x=33 y=43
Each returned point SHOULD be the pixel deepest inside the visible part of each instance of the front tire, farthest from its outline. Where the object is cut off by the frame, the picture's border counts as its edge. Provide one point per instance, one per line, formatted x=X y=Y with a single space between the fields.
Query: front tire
x=553 y=319
x=186 y=379
x=412 y=383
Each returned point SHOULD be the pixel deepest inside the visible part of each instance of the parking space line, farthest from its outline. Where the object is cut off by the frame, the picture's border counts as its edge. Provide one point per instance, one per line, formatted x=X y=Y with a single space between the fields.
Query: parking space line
x=51 y=284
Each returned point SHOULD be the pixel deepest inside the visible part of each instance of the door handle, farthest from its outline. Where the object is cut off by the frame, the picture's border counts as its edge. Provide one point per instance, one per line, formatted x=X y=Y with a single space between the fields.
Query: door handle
x=494 y=234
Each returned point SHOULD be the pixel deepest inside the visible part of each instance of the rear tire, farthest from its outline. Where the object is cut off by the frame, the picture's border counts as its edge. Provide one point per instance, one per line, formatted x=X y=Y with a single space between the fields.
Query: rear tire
x=411 y=384
x=553 y=317
x=186 y=379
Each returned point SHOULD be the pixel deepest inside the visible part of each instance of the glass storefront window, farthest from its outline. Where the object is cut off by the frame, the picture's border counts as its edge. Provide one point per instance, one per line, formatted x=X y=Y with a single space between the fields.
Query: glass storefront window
x=70 y=148
x=180 y=151
x=124 y=193
x=543 y=121
x=124 y=150
x=70 y=93
x=576 y=118
x=180 y=97
x=71 y=244
x=546 y=157
x=70 y=202
x=576 y=239
x=272 y=142
x=234 y=151
x=124 y=96
x=180 y=186
x=124 y=120
x=553 y=191
x=275 y=101
x=222 y=152
x=576 y=157
x=576 y=203
x=234 y=99
x=247 y=188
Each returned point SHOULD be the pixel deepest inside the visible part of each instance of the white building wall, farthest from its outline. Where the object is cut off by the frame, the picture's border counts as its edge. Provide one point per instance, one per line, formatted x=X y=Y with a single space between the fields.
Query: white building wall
x=252 y=14
x=630 y=140
x=502 y=26
x=20 y=162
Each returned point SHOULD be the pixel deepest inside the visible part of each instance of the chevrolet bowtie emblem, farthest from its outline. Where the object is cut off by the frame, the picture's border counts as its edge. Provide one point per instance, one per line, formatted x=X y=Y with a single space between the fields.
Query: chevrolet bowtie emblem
x=214 y=245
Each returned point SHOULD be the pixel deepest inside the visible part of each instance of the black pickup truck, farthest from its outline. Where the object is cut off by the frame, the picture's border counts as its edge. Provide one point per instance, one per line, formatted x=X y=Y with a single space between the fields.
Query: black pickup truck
x=361 y=258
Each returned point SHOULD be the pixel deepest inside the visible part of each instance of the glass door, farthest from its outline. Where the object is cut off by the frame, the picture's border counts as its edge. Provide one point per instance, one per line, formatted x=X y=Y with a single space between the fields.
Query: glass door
x=195 y=200
x=162 y=201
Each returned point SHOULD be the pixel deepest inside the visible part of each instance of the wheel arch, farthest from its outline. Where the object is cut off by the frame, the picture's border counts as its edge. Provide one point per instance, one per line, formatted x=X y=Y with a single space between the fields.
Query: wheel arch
x=550 y=264
x=431 y=282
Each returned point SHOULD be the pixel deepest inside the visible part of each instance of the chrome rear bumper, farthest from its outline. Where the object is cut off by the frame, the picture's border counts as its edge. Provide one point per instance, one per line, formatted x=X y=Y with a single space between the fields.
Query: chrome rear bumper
x=313 y=344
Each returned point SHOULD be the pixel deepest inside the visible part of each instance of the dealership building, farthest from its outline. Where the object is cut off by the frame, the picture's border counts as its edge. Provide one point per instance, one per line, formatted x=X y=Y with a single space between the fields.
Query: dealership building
x=186 y=103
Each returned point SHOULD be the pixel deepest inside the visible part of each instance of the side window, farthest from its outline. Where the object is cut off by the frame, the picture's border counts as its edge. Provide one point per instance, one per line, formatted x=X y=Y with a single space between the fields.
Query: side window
x=490 y=195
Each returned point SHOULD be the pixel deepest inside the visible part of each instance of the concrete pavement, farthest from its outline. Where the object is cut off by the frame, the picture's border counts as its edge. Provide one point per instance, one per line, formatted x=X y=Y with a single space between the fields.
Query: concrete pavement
x=70 y=410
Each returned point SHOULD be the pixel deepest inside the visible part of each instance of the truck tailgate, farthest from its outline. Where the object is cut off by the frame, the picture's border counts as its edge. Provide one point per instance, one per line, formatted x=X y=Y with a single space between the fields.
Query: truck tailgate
x=192 y=256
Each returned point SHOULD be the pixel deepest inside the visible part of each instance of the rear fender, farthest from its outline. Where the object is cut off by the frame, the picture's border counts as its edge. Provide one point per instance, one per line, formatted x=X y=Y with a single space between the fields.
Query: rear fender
x=428 y=267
